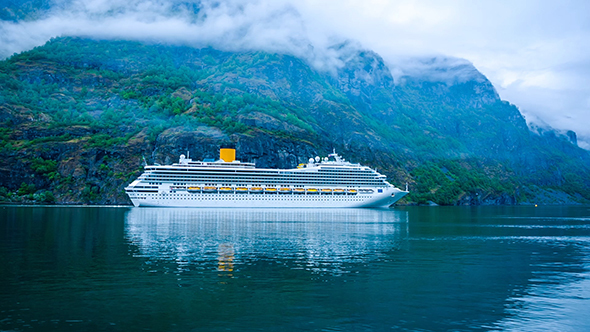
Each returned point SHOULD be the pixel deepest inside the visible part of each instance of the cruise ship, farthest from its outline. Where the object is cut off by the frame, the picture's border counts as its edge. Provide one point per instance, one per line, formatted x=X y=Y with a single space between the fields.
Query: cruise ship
x=329 y=182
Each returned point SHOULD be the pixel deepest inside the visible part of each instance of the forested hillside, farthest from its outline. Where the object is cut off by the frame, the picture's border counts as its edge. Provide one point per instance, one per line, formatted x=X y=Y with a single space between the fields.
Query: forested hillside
x=81 y=117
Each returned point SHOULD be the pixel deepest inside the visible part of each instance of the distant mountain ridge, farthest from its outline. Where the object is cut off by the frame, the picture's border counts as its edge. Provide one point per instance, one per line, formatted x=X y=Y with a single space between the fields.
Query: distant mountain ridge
x=80 y=116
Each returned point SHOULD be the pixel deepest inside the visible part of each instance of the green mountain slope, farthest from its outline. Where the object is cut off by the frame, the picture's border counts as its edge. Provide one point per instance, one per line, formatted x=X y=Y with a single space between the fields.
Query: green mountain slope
x=80 y=118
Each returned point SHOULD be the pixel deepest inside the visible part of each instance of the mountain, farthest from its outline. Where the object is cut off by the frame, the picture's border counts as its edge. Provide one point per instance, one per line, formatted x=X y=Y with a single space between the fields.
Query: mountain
x=80 y=117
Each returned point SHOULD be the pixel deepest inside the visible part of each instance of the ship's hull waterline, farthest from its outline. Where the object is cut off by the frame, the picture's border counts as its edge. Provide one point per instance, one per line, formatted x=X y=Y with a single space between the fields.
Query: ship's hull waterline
x=184 y=199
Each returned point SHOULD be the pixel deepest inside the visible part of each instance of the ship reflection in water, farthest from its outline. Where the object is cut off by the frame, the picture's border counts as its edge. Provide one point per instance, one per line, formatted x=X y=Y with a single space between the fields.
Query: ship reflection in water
x=322 y=241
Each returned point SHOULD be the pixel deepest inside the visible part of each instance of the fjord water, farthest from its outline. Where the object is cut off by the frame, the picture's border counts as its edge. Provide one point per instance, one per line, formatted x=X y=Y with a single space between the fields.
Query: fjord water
x=407 y=268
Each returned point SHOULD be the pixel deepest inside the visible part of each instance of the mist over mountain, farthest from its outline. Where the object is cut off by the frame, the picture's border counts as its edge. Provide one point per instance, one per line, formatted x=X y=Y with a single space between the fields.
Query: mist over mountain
x=275 y=27
x=145 y=81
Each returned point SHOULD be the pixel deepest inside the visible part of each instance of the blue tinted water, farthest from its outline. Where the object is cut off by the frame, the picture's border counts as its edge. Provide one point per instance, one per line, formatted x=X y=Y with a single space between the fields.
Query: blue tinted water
x=408 y=268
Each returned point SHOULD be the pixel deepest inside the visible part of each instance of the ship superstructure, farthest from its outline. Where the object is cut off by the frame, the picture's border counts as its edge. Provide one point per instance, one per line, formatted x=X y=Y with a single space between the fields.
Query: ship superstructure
x=327 y=182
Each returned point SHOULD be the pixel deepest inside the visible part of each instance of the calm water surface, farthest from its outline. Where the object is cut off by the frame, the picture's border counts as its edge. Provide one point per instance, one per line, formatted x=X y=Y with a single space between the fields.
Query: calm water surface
x=408 y=268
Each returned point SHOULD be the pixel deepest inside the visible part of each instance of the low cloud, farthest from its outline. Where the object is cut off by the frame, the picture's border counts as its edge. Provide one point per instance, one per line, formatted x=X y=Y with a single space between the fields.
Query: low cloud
x=231 y=26
x=449 y=70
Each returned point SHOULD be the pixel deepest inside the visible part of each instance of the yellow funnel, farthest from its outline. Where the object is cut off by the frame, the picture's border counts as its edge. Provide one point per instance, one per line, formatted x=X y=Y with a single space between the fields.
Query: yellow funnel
x=227 y=155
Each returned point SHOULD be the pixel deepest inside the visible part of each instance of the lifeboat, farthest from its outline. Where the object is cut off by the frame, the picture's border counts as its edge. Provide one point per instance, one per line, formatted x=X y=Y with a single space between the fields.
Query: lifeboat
x=241 y=190
x=270 y=190
x=339 y=191
x=194 y=189
x=209 y=189
x=226 y=190
x=326 y=191
x=285 y=190
x=256 y=190
x=312 y=191
x=299 y=191
x=352 y=191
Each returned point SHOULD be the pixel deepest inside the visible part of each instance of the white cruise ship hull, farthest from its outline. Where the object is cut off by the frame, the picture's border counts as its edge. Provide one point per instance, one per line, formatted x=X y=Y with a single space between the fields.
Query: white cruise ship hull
x=185 y=199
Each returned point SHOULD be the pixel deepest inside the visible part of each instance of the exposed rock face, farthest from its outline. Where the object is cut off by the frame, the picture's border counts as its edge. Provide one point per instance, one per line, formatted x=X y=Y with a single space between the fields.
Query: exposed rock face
x=484 y=198
x=572 y=137
x=265 y=121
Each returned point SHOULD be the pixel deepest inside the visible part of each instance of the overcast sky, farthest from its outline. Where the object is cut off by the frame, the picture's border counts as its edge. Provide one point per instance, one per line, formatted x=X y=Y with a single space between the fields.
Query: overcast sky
x=536 y=53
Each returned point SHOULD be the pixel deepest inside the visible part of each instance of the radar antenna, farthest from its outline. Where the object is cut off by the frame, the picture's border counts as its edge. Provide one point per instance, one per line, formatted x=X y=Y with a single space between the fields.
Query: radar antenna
x=337 y=158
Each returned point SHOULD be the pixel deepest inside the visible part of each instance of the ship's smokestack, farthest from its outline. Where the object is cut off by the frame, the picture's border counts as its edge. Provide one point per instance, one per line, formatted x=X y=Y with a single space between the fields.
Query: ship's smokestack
x=227 y=154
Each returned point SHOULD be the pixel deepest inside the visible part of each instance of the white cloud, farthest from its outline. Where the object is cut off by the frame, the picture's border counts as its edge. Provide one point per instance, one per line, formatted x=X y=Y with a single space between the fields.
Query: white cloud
x=536 y=53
